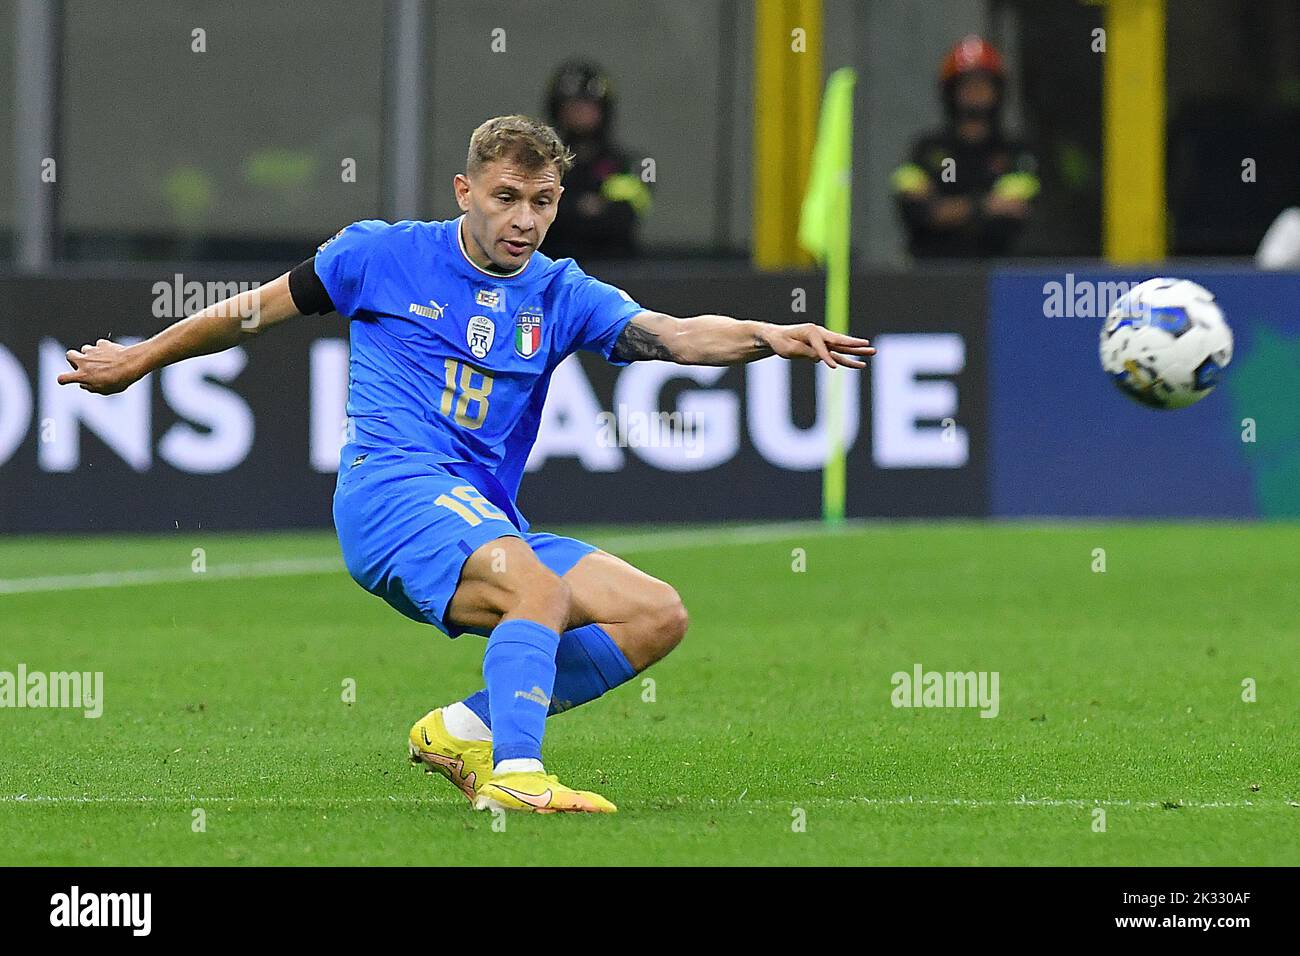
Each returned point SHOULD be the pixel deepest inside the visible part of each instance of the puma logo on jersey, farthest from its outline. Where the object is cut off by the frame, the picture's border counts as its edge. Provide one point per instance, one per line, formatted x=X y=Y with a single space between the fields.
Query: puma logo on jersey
x=434 y=313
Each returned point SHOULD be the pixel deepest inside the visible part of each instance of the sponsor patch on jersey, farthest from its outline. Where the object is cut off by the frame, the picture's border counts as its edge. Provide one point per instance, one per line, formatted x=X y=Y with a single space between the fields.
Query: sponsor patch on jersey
x=479 y=335
x=488 y=298
x=528 y=332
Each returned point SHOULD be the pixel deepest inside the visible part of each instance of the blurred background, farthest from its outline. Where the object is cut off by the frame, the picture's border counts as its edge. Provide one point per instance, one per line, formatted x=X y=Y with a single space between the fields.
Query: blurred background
x=153 y=150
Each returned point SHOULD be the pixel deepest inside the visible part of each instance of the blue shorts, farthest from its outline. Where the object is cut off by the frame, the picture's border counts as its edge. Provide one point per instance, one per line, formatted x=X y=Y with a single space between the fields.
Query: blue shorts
x=407 y=526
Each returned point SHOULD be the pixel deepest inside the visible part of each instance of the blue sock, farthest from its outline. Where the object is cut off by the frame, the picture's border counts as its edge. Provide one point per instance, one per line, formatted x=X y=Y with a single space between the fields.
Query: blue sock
x=587 y=665
x=519 y=670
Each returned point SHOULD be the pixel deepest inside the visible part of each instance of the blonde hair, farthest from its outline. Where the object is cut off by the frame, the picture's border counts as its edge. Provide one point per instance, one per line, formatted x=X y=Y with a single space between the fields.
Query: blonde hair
x=521 y=139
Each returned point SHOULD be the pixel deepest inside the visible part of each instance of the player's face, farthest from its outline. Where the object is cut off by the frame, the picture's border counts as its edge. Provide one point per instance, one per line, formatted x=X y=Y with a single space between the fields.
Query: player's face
x=508 y=210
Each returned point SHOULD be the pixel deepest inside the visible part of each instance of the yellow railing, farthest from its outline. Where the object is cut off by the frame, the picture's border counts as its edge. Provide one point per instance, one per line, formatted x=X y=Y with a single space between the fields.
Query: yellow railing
x=1133 y=132
x=787 y=89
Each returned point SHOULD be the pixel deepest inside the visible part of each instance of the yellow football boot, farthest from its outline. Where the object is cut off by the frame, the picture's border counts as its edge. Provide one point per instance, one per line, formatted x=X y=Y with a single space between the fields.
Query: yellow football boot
x=537 y=792
x=466 y=763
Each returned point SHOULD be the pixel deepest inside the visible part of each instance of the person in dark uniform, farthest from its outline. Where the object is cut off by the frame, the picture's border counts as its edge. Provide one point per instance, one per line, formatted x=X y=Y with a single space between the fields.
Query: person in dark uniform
x=966 y=189
x=604 y=198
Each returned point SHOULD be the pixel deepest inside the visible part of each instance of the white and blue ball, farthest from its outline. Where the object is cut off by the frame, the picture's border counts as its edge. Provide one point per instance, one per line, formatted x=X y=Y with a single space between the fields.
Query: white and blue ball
x=1166 y=343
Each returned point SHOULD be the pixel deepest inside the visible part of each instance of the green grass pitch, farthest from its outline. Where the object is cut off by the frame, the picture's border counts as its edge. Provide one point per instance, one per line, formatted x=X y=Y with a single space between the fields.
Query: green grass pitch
x=769 y=737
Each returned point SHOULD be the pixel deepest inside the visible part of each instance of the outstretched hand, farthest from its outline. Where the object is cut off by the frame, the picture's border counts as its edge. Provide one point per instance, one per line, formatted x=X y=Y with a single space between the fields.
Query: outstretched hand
x=105 y=368
x=811 y=341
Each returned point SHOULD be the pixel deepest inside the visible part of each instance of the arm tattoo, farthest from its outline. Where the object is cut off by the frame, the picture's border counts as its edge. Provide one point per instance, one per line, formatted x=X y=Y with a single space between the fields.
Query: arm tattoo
x=637 y=343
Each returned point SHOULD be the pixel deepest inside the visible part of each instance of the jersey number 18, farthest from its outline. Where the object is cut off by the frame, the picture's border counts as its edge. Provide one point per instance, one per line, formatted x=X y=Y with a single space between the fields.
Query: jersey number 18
x=468 y=392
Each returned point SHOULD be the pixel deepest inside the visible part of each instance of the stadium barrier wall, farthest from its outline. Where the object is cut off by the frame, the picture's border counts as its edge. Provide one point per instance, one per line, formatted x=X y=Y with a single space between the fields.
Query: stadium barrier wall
x=1065 y=442
x=249 y=438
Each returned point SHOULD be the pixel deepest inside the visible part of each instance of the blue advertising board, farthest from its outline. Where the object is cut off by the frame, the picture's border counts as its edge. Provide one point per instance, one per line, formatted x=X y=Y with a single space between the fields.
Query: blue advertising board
x=1065 y=441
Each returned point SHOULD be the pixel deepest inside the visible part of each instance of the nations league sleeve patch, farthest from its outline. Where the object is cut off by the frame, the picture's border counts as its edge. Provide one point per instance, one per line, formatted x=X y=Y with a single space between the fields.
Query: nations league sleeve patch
x=331 y=239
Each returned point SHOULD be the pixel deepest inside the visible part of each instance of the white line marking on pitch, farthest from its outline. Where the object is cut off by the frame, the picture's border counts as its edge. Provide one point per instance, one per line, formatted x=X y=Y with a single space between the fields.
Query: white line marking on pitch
x=698 y=537
x=120 y=579
x=625 y=544
x=1054 y=802
x=1045 y=802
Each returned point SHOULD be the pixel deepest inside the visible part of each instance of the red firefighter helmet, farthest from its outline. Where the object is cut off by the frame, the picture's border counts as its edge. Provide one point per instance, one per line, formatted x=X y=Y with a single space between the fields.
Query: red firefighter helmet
x=970 y=54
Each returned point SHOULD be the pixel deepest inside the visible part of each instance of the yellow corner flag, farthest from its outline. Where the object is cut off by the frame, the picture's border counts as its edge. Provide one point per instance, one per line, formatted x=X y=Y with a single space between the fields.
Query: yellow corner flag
x=824 y=225
x=824 y=220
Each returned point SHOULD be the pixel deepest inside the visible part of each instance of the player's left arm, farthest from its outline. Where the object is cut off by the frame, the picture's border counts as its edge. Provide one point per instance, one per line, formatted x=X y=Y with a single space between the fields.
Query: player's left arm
x=722 y=340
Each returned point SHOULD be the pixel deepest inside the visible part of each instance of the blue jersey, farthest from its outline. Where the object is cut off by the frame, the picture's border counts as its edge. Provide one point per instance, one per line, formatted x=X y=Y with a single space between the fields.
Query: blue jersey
x=451 y=362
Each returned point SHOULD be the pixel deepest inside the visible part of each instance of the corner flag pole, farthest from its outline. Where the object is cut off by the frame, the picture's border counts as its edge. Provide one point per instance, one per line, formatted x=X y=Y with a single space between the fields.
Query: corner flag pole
x=824 y=229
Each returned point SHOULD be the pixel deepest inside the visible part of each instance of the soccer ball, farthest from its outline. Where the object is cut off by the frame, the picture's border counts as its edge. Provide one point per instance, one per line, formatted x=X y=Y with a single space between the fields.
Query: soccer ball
x=1165 y=343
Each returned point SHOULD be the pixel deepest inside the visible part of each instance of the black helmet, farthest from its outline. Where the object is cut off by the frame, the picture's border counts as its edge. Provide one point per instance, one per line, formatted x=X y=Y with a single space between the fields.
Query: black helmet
x=580 y=79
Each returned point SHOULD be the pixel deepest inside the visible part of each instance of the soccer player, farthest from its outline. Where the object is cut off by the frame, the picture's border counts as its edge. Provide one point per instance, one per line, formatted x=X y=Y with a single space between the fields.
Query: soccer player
x=456 y=328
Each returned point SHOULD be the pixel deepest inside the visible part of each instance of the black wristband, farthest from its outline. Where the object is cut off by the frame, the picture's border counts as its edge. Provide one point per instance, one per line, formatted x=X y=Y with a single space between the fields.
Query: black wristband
x=307 y=291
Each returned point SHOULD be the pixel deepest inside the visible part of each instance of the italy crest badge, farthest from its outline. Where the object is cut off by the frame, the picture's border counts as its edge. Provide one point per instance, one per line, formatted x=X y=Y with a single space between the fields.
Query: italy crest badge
x=528 y=333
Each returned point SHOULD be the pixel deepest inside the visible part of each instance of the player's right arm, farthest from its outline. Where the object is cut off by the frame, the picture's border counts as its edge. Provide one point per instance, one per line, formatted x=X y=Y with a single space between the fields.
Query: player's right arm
x=342 y=277
x=108 y=367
